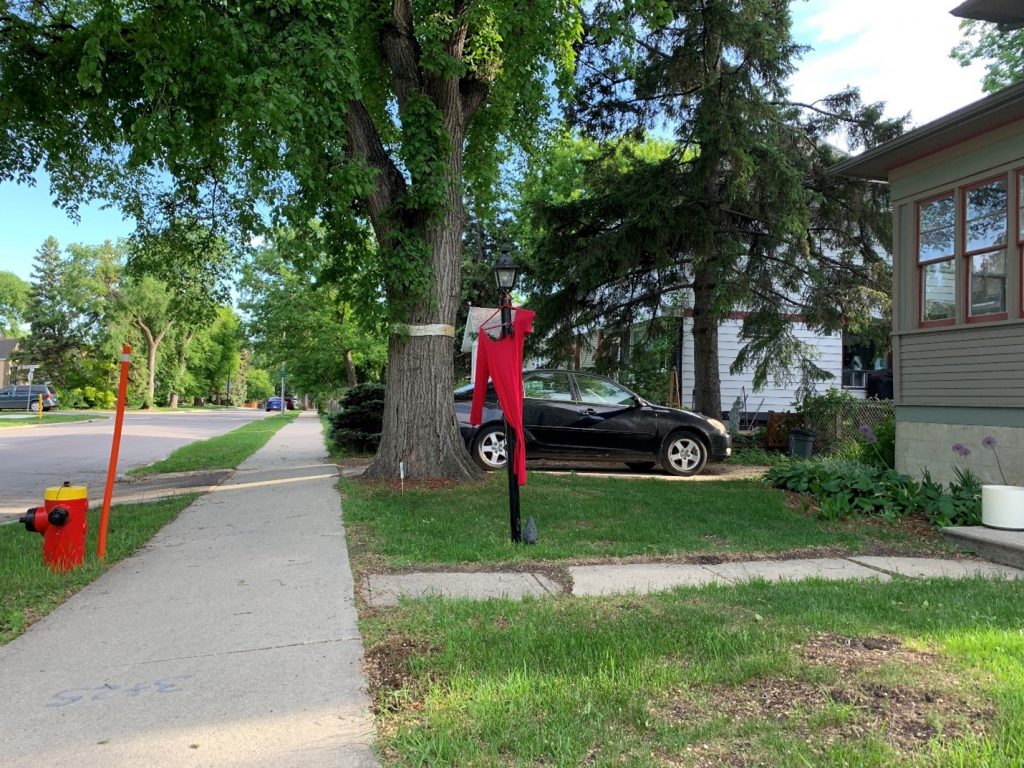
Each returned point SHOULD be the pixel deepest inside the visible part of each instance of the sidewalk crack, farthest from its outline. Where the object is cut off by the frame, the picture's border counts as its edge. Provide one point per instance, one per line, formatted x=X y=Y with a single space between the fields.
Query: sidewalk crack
x=260 y=649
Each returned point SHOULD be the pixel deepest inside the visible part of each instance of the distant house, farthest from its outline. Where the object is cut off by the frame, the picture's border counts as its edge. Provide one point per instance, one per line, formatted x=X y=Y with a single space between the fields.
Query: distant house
x=7 y=349
x=775 y=396
x=957 y=189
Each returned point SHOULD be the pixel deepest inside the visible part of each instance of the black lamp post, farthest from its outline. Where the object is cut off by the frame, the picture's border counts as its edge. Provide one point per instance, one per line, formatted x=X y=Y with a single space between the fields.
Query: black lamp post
x=505 y=273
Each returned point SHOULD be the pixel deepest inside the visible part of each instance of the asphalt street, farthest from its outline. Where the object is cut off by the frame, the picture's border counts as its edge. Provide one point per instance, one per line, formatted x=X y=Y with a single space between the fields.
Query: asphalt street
x=37 y=457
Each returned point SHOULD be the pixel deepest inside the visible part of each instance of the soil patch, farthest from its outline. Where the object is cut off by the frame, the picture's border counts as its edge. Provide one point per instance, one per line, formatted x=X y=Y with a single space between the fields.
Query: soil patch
x=905 y=714
x=387 y=671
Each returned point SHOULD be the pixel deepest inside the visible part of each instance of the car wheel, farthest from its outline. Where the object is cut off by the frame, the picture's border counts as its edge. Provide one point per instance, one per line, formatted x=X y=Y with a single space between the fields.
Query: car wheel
x=683 y=454
x=640 y=465
x=489 y=450
x=34 y=406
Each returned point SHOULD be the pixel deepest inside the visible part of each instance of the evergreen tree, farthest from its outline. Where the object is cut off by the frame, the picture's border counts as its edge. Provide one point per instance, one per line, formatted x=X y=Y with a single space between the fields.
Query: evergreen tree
x=741 y=215
x=64 y=314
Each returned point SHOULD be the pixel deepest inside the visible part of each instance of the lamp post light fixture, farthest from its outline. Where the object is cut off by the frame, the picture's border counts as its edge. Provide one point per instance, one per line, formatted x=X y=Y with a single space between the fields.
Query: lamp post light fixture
x=505 y=274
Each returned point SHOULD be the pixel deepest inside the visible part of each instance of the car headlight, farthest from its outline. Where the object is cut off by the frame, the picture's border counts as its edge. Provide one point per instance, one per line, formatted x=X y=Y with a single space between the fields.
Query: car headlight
x=718 y=425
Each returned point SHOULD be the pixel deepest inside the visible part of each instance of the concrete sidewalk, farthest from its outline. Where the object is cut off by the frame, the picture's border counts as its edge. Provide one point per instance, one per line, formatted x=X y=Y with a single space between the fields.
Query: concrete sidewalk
x=229 y=640
x=385 y=589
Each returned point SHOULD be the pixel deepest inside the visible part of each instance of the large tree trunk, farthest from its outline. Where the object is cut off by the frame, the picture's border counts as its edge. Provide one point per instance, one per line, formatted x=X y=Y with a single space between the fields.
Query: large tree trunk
x=420 y=428
x=419 y=405
x=707 y=396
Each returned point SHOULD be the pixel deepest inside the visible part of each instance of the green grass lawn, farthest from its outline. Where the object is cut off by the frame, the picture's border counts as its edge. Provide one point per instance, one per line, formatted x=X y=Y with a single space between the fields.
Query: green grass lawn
x=29 y=590
x=50 y=418
x=225 y=451
x=815 y=673
x=590 y=518
x=904 y=673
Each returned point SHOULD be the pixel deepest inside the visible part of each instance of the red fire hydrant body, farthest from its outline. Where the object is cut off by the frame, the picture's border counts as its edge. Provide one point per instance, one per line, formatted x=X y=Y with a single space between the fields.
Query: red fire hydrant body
x=62 y=522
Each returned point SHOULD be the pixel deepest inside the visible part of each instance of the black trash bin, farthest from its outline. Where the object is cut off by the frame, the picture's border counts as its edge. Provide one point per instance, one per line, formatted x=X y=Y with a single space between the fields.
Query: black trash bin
x=801 y=443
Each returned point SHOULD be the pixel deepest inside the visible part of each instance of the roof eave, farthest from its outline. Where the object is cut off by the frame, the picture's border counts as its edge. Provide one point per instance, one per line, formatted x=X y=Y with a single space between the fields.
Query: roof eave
x=984 y=115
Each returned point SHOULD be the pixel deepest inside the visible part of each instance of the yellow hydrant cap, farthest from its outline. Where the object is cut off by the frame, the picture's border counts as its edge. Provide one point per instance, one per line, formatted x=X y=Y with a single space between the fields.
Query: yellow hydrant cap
x=66 y=493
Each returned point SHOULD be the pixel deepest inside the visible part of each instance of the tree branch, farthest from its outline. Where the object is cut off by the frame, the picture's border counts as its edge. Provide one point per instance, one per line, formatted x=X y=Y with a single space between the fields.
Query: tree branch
x=364 y=144
x=402 y=52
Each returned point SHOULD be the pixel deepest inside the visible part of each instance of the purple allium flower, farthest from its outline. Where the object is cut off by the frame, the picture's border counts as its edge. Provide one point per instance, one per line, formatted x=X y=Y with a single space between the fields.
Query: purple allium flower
x=962 y=450
x=867 y=434
x=990 y=442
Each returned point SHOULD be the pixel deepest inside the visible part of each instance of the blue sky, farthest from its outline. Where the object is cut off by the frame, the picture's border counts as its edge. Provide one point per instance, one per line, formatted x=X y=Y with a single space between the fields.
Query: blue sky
x=895 y=51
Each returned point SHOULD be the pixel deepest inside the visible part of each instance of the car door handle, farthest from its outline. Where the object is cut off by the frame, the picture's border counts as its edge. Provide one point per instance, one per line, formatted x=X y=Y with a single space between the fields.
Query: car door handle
x=587 y=411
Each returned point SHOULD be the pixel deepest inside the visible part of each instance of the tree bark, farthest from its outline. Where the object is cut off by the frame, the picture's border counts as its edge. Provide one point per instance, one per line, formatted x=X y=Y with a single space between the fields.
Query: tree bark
x=152 y=343
x=707 y=397
x=350 y=369
x=420 y=428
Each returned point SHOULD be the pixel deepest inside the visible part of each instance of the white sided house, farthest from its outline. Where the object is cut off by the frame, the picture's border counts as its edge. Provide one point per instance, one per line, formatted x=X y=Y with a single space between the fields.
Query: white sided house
x=777 y=396
x=849 y=368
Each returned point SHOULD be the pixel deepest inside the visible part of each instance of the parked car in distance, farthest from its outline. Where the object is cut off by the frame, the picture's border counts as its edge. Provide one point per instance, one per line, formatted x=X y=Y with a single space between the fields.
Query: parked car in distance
x=25 y=397
x=274 y=403
x=579 y=416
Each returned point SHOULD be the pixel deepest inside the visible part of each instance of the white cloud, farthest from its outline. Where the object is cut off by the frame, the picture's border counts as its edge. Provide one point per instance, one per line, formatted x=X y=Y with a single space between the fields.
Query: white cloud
x=896 y=51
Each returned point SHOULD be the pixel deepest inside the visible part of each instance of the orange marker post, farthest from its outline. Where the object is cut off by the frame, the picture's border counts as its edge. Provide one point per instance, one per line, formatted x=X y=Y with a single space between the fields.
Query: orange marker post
x=108 y=492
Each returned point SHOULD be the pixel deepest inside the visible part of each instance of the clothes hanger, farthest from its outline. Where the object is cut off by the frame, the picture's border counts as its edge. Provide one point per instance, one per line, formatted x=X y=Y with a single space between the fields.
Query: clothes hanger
x=484 y=325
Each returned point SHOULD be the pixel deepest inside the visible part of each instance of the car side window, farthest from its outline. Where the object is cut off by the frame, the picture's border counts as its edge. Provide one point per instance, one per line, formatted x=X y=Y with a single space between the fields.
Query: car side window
x=551 y=385
x=595 y=390
x=7 y=392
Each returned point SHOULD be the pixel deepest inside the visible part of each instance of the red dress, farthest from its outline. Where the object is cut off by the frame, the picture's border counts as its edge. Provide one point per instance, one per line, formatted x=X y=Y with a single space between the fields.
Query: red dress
x=502 y=362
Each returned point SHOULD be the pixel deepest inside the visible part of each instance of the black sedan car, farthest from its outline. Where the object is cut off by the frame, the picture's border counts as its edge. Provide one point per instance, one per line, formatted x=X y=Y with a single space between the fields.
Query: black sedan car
x=571 y=415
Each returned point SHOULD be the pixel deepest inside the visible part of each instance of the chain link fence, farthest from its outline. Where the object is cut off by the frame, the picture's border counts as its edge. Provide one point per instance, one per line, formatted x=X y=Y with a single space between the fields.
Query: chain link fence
x=837 y=424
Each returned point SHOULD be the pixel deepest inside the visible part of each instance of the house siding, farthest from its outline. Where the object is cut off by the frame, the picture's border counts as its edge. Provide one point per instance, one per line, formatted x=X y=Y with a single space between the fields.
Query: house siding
x=973 y=366
x=776 y=396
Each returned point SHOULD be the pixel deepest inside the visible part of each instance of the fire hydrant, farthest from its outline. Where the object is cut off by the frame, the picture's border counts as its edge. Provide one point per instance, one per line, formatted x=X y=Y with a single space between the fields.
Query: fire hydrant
x=62 y=522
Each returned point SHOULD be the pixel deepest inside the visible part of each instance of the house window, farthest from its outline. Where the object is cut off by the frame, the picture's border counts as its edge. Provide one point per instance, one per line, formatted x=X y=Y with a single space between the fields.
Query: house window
x=935 y=243
x=1020 y=228
x=985 y=232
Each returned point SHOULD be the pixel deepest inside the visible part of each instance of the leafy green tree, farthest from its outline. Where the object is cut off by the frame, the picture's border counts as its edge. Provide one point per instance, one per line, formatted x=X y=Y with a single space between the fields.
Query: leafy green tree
x=14 y=297
x=1001 y=49
x=340 y=113
x=291 y=318
x=217 y=359
x=148 y=306
x=258 y=384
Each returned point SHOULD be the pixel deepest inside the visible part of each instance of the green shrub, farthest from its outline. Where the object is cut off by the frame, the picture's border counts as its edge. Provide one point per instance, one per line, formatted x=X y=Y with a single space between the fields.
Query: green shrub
x=359 y=424
x=844 y=488
x=87 y=397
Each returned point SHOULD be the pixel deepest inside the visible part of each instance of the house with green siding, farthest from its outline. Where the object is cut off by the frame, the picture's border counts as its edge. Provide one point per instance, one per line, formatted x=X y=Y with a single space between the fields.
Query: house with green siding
x=957 y=190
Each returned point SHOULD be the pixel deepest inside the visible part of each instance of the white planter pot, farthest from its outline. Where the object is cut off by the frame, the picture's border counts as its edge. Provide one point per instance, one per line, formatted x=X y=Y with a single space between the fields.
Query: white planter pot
x=1002 y=506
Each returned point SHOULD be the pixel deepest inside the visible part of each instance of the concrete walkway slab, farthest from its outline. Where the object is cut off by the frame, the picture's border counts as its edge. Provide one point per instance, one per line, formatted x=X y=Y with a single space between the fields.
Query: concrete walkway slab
x=383 y=590
x=794 y=570
x=639 y=578
x=931 y=567
x=229 y=640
